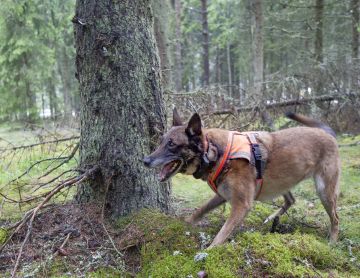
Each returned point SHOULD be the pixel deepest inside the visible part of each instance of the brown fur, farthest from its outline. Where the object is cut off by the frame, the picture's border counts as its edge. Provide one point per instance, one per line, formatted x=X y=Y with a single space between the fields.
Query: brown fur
x=292 y=155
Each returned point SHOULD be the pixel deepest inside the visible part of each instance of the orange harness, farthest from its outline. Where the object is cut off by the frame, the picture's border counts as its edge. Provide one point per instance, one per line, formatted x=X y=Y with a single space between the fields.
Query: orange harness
x=240 y=147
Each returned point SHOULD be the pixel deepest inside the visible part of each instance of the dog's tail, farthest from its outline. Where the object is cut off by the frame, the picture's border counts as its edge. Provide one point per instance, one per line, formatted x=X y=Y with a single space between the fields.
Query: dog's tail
x=310 y=122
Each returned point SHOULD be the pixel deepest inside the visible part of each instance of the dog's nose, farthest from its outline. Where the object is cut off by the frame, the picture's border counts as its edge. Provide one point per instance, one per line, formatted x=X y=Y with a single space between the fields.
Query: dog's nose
x=147 y=161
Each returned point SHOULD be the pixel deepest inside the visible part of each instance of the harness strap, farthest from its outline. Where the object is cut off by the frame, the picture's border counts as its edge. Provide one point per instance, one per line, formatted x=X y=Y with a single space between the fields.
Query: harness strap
x=255 y=148
x=212 y=179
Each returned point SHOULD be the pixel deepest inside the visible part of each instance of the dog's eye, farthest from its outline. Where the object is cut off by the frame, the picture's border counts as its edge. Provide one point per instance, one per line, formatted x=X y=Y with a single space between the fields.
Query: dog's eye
x=171 y=143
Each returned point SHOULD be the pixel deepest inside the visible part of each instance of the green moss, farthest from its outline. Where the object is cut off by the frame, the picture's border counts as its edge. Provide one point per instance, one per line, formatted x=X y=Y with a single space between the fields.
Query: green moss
x=224 y=261
x=258 y=214
x=294 y=254
x=250 y=254
x=3 y=235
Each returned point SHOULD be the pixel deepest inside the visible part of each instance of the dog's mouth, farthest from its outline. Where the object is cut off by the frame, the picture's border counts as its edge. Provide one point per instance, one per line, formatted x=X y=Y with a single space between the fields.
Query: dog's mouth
x=169 y=169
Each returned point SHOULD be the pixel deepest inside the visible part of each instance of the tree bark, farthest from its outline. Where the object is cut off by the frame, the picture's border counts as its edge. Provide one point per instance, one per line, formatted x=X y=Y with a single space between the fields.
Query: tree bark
x=205 y=43
x=122 y=108
x=178 y=62
x=258 y=46
x=161 y=22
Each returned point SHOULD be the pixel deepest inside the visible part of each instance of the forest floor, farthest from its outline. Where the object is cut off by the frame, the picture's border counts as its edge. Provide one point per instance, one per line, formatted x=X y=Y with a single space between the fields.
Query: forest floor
x=69 y=240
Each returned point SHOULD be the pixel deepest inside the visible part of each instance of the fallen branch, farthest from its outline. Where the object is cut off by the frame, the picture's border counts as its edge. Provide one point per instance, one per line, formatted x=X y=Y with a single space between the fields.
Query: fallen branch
x=65 y=159
x=41 y=143
x=286 y=103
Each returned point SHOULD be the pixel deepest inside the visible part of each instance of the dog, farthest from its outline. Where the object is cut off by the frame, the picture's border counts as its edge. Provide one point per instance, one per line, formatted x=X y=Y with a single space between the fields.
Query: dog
x=292 y=155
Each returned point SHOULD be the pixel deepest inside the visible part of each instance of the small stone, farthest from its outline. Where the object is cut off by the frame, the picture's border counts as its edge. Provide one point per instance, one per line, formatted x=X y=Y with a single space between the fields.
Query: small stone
x=200 y=257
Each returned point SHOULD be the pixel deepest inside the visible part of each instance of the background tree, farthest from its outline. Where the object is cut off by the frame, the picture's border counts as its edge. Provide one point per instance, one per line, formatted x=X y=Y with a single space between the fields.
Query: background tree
x=161 y=10
x=37 y=72
x=122 y=110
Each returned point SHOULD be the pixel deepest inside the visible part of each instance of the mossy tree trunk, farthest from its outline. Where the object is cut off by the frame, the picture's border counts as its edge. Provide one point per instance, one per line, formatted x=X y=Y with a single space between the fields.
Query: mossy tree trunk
x=122 y=109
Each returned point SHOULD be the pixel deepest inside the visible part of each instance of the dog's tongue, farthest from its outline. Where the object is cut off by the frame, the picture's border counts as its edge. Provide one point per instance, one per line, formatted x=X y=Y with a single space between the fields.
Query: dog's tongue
x=165 y=170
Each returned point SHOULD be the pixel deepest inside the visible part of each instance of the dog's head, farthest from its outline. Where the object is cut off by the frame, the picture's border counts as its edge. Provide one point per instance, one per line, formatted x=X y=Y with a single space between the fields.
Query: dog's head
x=180 y=149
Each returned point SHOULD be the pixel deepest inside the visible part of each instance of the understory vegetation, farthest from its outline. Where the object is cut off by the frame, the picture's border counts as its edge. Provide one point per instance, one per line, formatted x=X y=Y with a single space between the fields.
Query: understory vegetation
x=151 y=244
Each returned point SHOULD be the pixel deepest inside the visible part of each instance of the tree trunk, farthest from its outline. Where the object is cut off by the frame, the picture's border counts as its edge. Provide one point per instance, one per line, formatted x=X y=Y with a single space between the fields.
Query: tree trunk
x=205 y=33
x=122 y=108
x=31 y=107
x=161 y=22
x=51 y=90
x=258 y=48
x=64 y=71
x=319 y=11
x=355 y=5
x=178 y=62
x=229 y=68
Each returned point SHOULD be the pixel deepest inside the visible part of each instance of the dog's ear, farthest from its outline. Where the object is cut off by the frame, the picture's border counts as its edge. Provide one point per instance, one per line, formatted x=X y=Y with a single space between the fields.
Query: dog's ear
x=176 y=118
x=194 y=126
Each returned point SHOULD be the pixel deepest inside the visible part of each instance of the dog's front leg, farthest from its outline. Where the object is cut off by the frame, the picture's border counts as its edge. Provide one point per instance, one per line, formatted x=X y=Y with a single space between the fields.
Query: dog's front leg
x=213 y=203
x=239 y=209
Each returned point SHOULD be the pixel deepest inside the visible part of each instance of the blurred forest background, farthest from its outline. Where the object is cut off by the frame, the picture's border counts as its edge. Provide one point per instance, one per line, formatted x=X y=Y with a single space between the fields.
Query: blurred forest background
x=75 y=127
x=217 y=57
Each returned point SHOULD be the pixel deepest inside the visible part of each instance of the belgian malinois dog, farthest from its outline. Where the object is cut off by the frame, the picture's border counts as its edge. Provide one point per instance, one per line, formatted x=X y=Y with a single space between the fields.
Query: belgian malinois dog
x=292 y=155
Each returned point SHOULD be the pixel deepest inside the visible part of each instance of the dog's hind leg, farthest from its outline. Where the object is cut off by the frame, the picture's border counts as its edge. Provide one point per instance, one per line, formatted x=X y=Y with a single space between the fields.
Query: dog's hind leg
x=213 y=203
x=289 y=201
x=327 y=190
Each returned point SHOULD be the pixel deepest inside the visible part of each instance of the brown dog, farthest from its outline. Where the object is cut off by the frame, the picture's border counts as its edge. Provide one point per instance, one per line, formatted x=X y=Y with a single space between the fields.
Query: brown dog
x=291 y=155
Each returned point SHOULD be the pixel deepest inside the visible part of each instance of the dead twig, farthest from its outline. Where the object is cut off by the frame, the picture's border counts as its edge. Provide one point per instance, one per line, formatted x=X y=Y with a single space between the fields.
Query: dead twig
x=34 y=164
x=60 y=250
x=62 y=163
x=38 y=144
x=33 y=214
x=54 y=179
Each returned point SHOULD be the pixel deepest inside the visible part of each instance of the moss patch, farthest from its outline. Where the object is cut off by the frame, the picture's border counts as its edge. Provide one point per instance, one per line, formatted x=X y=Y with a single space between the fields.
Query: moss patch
x=168 y=247
x=3 y=235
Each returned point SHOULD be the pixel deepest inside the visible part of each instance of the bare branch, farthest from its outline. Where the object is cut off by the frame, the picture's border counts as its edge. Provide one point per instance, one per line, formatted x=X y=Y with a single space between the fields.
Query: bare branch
x=290 y=102
x=41 y=143
x=62 y=163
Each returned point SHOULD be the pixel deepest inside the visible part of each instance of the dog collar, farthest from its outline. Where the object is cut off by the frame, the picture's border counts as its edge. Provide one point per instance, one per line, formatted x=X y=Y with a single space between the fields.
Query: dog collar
x=212 y=178
x=205 y=163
